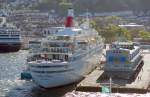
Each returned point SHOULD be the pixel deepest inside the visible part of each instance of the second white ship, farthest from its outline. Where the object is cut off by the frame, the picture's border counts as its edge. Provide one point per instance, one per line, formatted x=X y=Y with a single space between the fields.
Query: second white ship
x=66 y=56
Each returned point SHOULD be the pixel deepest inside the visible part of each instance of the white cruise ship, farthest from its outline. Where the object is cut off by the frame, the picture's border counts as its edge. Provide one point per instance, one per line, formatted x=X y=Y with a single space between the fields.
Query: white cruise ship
x=10 y=37
x=65 y=57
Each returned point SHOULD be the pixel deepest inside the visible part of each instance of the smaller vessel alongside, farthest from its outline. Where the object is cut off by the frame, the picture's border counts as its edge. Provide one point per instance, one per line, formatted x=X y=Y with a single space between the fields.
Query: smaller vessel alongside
x=10 y=37
x=123 y=60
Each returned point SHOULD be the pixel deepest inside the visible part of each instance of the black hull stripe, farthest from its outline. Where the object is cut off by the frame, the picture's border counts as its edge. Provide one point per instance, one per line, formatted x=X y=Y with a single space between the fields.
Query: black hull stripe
x=49 y=66
x=9 y=48
x=52 y=71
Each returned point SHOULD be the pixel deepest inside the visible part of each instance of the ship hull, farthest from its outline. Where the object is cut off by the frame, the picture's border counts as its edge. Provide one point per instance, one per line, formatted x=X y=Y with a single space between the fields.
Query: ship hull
x=12 y=47
x=65 y=74
x=55 y=80
x=128 y=74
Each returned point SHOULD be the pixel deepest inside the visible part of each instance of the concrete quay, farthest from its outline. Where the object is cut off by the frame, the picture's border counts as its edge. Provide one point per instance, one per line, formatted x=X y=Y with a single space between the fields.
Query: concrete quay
x=140 y=84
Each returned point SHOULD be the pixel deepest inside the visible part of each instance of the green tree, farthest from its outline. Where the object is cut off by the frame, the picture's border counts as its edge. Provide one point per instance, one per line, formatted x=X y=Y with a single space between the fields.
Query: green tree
x=124 y=33
x=144 y=34
x=65 y=2
x=113 y=33
x=109 y=33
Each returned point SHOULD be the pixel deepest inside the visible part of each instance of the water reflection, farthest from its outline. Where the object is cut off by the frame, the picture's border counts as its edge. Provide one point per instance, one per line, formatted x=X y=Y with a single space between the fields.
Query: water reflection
x=54 y=92
x=29 y=89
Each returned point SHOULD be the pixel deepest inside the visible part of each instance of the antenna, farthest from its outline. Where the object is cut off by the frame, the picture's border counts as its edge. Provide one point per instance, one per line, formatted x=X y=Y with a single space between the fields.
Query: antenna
x=87 y=18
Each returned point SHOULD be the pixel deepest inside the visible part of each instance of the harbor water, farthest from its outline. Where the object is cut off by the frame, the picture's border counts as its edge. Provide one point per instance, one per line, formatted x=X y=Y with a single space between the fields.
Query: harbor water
x=12 y=64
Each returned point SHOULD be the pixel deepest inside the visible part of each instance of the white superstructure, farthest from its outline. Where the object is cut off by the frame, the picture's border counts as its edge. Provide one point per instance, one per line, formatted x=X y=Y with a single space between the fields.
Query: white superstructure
x=65 y=57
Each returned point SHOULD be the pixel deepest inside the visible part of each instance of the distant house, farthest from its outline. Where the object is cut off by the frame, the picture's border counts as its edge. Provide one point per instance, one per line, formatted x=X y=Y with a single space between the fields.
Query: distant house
x=86 y=14
x=131 y=26
x=24 y=2
x=119 y=13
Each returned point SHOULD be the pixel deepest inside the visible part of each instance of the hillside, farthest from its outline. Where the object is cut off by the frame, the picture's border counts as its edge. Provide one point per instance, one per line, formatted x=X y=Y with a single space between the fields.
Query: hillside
x=97 y=5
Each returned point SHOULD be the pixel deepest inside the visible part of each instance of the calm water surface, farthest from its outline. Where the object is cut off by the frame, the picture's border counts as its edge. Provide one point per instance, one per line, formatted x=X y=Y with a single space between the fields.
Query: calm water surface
x=11 y=65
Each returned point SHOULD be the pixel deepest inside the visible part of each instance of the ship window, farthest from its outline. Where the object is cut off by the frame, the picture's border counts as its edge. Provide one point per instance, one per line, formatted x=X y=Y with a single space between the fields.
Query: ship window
x=45 y=49
x=79 y=32
x=110 y=59
x=82 y=45
x=65 y=50
x=66 y=38
x=66 y=57
x=45 y=32
x=122 y=59
x=116 y=59
x=56 y=56
x=60 y=38
x=63 y=38
x=53 y=45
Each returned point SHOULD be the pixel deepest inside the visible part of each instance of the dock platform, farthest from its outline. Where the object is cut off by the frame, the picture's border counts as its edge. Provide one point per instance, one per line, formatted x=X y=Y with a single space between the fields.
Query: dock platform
x=139 y=85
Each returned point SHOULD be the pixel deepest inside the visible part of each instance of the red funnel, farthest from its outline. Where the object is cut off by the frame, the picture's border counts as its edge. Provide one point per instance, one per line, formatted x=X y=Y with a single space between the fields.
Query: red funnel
x=69 y=19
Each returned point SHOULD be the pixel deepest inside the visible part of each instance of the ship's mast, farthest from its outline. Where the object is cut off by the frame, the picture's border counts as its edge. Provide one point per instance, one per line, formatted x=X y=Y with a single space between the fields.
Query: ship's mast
x=87 y=19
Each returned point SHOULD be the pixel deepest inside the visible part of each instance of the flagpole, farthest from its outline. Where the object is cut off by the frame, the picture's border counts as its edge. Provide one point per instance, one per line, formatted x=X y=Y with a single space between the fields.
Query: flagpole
x=110 y=84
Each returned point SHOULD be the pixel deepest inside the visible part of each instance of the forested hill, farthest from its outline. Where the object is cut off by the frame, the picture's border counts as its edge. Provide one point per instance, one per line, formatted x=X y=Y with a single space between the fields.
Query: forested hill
x=98 y=5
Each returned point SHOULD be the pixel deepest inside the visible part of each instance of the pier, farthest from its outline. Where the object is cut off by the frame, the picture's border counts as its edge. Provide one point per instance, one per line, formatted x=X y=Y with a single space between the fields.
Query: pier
x=140 y=84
